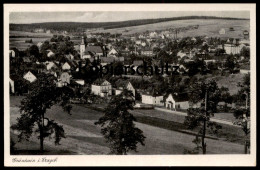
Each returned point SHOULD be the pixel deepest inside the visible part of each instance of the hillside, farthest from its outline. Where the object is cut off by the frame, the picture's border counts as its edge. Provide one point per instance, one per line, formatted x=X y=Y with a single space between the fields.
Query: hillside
x=80 y=26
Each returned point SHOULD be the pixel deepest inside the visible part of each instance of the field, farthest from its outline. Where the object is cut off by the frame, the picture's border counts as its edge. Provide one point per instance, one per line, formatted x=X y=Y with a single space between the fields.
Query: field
x=83 y=137
x=208 y=28
x=17 y=39
x=230 y=82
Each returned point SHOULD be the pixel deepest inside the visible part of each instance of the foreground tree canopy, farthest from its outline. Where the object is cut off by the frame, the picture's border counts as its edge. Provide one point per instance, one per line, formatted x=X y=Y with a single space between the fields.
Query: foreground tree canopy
x=118 y=127
x=42 y=96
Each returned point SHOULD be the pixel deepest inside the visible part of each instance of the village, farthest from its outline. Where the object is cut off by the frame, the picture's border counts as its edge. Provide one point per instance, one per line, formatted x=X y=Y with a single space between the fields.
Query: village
x=195 y=58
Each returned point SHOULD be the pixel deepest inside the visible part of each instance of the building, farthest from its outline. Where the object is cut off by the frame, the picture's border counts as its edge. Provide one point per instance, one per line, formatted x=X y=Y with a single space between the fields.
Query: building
x=51 y=65
x=66 y=66
x=50 y=53
x=222 y=31
x=30 y=77
x=11 y=85
x=179 y=102
x=96 y=50
x=113 y=52
x=12 y=53
x=65 y=78
x=147 y=52
x=233 y=49
x=101 y=88
x=126 y=85
x=152 y=99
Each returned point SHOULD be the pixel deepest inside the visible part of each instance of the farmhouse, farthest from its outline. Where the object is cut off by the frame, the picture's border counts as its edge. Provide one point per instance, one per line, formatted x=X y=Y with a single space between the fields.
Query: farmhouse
x=30 y=77
x=152 y=99
x=101 y=88
x=125 y=85
x=179 y=102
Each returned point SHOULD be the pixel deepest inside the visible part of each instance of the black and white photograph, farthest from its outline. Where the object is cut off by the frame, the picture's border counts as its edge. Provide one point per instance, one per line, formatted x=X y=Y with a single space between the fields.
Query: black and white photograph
x=158 y=80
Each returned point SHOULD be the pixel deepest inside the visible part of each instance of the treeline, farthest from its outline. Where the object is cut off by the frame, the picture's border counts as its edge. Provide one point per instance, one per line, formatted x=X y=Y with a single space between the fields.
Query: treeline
x=81 y=26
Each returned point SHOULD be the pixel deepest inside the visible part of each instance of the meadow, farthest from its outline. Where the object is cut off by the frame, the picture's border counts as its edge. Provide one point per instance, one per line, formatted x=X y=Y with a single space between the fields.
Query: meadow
x=209 y=27
x=84 y=138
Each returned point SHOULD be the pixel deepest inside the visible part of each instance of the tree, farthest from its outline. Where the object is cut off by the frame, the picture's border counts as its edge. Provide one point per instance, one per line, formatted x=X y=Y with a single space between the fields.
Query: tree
x=33 y=51
x=43 y=95
x=118 y=127
x=230 y=63
x=245 y=51
x=242 y=114
x=208 y=94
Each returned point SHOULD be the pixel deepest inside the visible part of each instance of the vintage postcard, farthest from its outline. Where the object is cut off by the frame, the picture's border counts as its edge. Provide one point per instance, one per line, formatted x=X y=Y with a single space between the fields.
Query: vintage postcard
x=130 y=85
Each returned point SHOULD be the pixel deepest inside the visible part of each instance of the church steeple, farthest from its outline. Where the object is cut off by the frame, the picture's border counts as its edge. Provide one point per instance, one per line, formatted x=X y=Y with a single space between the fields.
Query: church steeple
x=82 y=47
x=82 y=40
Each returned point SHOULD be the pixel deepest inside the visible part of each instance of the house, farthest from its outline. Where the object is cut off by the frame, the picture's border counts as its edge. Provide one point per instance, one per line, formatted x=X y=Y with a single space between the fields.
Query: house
x=222 y=31
x=194 y=39
x=26 y=60
x=80 y=82
x=113 y=52
x=246 y=34
x=86 y=54
x=39 y=45
x=30 y=77
x=138 y=42
x=97 y=50
x=101 y=88
x=153 y=34
x=179 y=102
x=66 y=66
x=12 y=53
x=106 y=60
x=69 y=56
x=11 y=81
x=147 y=52
x=181 y=54
x=125 y=85
x=233 y=49
x=156 y=100
x=50 y=53
x=65 y=78
x=51 y=65
x=143 y=44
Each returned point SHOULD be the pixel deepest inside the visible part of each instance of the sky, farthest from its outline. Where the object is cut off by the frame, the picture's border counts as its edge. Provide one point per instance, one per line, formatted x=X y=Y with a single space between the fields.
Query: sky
x=38 y=17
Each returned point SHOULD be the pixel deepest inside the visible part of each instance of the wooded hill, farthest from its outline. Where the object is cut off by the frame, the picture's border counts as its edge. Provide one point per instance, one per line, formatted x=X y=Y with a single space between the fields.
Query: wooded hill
x=82 y=26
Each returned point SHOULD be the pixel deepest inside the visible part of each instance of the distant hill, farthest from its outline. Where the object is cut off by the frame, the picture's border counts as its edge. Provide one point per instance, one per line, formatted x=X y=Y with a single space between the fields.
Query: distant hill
x=81 y=26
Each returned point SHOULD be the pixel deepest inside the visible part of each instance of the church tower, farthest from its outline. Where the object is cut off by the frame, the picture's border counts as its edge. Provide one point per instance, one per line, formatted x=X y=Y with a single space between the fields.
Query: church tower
x=82 y=48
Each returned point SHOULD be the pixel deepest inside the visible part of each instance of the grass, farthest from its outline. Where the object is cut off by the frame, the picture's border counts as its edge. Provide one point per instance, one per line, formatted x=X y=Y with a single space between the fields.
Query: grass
x=206 y=27
x=83 y=137
x=229 y=81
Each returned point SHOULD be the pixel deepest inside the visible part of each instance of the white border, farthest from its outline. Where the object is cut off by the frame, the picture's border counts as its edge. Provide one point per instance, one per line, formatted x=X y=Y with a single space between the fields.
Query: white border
x=137 y=160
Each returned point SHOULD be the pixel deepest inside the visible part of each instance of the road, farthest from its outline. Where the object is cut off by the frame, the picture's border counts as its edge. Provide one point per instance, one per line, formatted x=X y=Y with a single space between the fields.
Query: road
x=222 y=121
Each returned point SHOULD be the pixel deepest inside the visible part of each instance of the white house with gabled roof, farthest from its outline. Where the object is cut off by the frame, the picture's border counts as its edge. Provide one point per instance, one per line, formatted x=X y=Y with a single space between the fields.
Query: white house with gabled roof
x=101 y=88
x=30 y=77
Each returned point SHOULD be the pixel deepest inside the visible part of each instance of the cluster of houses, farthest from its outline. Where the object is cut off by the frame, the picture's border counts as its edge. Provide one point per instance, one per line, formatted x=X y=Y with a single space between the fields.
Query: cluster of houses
x=144 y=43
x=103 y=88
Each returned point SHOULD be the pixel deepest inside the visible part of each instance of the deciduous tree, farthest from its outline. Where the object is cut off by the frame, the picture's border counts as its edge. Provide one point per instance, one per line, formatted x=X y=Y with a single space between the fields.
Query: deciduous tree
x=118 y=125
